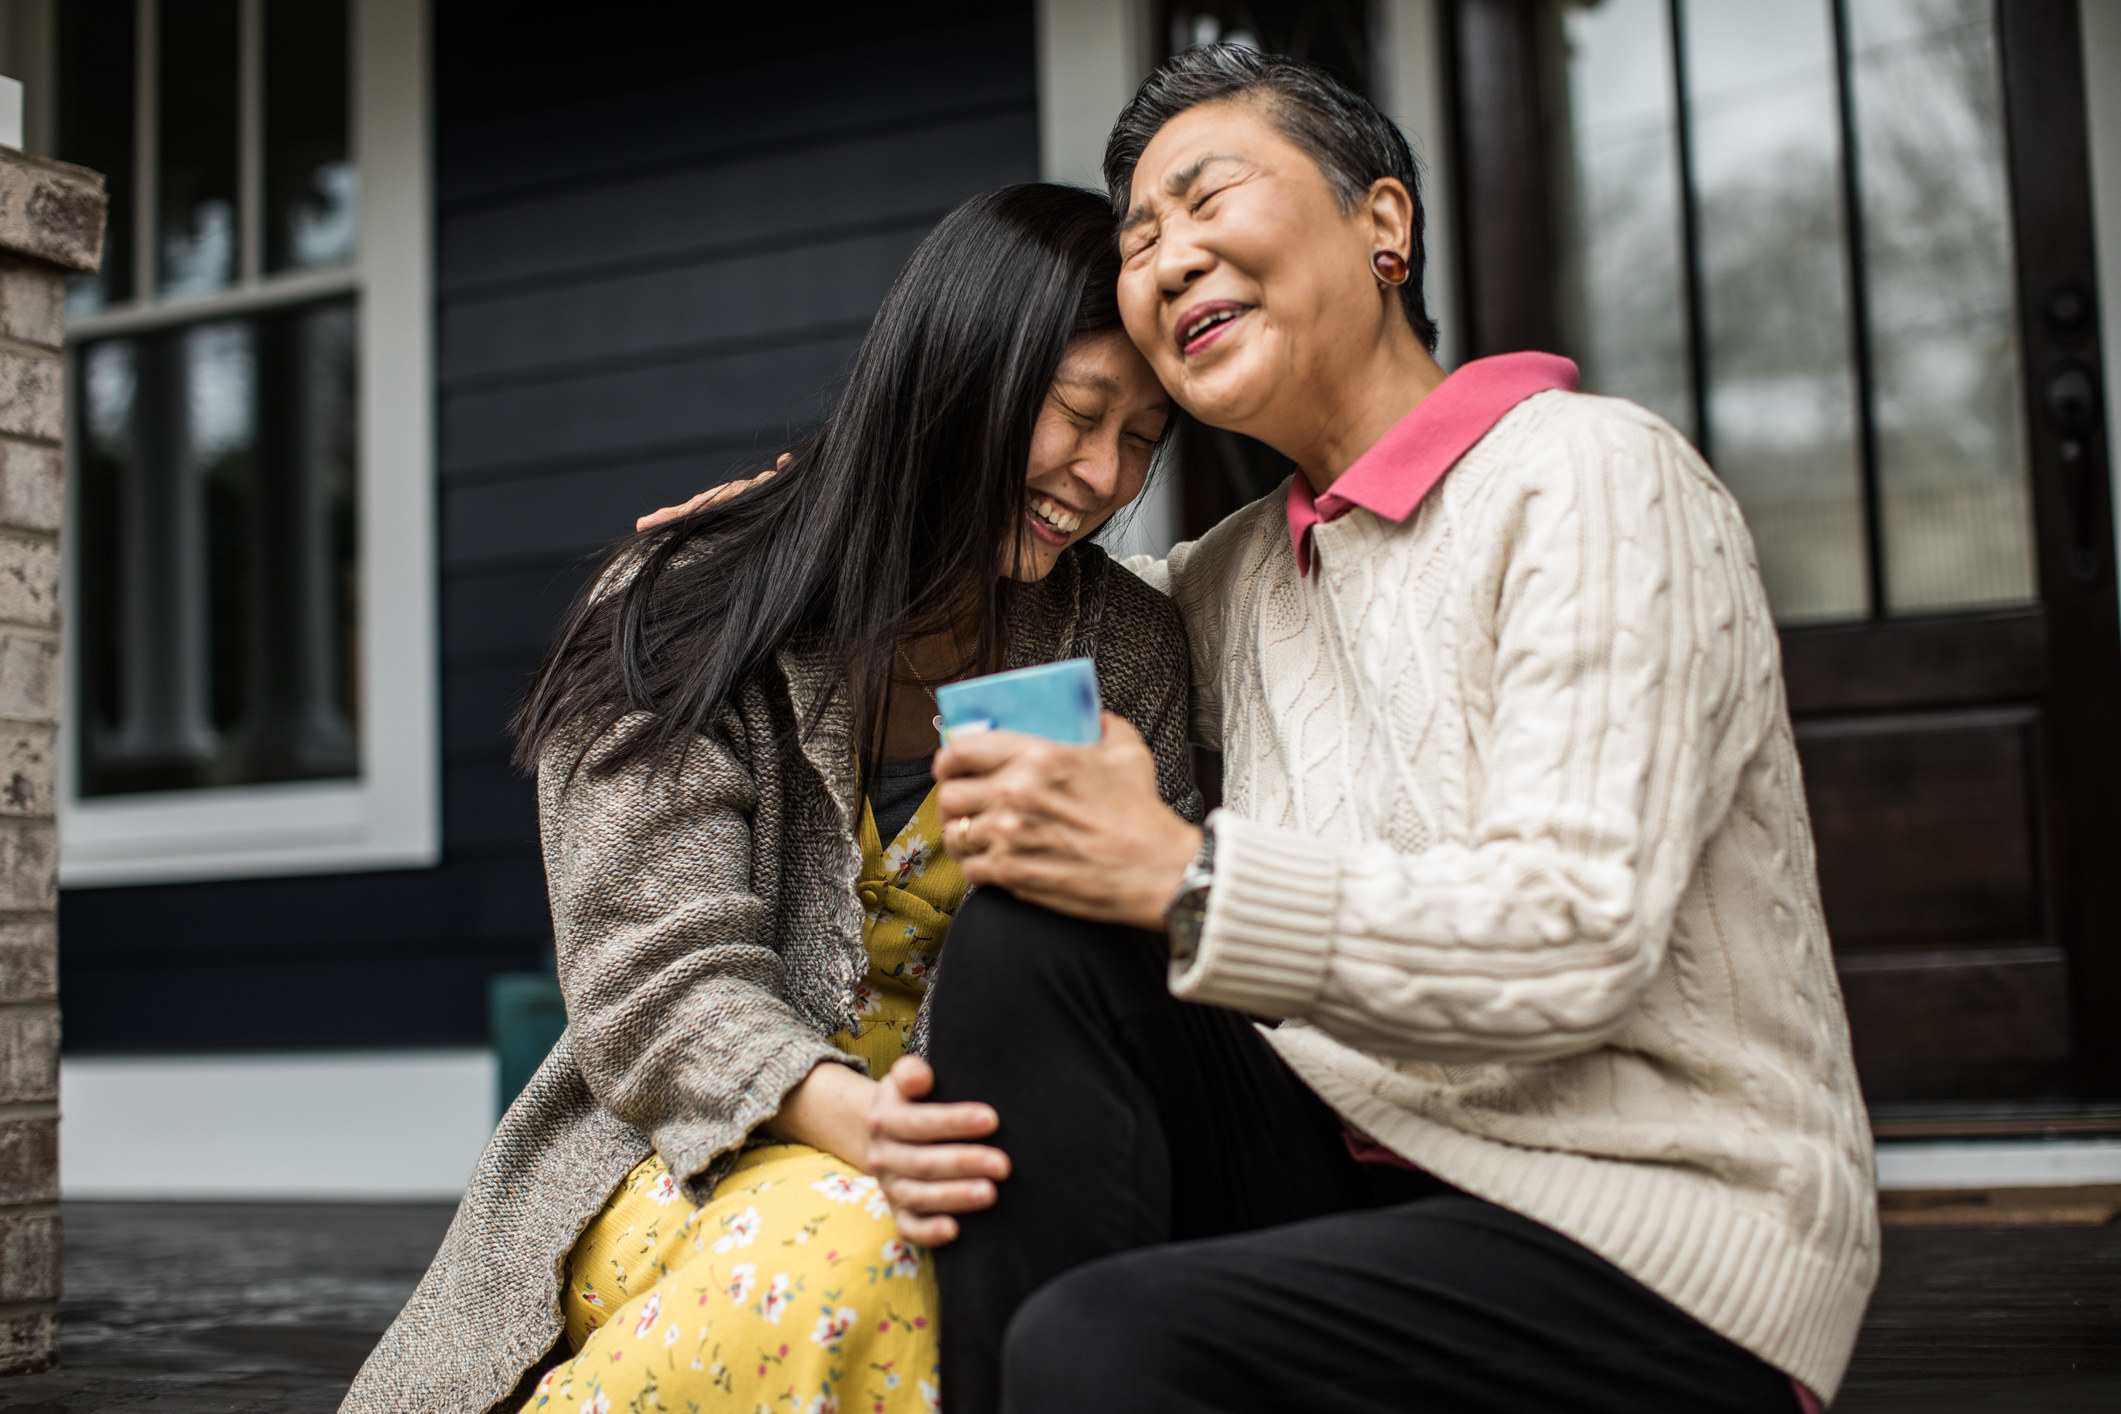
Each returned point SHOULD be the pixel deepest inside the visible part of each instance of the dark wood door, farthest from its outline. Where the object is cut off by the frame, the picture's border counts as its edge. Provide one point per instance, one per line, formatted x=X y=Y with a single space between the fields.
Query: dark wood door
x=1848 y=247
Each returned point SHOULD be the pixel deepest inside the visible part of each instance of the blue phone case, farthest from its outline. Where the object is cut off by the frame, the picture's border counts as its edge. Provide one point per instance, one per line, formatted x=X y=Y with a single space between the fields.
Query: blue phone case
x=1057 y=701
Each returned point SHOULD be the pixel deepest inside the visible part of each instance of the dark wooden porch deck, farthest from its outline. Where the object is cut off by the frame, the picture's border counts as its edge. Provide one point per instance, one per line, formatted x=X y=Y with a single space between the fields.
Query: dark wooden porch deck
x=228 y=1309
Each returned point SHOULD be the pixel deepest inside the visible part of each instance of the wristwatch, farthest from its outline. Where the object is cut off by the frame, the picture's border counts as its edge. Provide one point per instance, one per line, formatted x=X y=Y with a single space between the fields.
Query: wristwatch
x=1187 y=912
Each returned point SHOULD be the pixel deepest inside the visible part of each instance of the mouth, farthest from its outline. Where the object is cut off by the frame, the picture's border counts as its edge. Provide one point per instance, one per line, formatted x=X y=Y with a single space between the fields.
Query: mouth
x=1204 y=325
x=1052 y=522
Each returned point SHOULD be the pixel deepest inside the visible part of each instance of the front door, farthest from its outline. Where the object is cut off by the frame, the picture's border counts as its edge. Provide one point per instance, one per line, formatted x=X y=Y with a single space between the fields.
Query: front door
x=1846 y=246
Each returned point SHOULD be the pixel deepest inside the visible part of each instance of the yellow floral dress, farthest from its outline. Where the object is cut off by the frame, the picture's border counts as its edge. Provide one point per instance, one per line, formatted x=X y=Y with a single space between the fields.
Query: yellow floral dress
x=789 y=1291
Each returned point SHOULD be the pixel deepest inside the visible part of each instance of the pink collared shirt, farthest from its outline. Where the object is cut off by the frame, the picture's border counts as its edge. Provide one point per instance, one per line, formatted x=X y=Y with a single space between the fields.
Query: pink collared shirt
x=1391 y=478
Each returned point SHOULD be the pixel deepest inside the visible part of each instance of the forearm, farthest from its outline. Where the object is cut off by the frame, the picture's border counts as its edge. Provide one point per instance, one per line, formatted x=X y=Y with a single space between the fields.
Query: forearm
x=829 y=1110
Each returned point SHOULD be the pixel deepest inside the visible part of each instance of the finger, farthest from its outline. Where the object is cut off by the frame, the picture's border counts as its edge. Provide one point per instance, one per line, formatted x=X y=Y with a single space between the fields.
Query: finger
x=937 y=1231
x=670 y=513
x=937 y=1163
x=911 y=1077
x=982 y=753
x=1120 y=732
x=964 y=1195
x=933 y=1124
x=778 y=462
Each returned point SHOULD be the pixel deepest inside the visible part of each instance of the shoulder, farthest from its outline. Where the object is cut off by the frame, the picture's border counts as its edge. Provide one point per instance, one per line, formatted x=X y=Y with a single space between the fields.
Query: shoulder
x=1557 y=438
x=1124 y=624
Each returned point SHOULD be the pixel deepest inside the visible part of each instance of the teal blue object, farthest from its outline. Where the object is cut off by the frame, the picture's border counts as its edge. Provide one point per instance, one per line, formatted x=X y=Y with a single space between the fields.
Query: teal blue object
x=525 y=1015
x=1057 y=701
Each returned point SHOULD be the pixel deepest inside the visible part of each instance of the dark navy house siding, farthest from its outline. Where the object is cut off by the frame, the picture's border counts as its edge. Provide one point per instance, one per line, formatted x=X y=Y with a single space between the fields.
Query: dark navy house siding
x=638 y=289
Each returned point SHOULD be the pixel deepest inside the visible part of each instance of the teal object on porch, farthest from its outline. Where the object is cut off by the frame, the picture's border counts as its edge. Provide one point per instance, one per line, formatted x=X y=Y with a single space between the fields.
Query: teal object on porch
x=525 y=1015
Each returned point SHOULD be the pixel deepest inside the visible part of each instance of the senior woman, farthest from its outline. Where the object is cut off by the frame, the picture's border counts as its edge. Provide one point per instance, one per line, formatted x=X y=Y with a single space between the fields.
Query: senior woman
x=1559 y=1112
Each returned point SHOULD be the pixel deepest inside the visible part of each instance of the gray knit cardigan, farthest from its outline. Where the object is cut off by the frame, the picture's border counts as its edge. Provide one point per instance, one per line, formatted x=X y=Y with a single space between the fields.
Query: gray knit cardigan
x=710 y=941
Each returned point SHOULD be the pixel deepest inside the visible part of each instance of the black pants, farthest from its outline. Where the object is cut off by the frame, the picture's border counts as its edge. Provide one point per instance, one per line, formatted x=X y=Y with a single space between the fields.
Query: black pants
x=1184 y=1228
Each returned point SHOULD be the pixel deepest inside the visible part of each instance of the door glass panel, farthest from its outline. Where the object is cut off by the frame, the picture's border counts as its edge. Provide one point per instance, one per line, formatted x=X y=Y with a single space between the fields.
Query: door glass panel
x=1952 y=475
x=196 y=116
x=1623 y=280
x=1763 y=116
x=218 y=624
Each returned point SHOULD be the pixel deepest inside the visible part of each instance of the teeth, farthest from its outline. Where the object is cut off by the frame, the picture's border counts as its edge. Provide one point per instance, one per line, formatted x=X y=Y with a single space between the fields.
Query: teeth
x=1055 y=514
x=1221 y=316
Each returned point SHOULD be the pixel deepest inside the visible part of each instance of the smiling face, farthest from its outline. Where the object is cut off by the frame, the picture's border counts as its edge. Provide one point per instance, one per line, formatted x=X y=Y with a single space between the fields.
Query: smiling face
x=1090 y=448
x=1245 y=281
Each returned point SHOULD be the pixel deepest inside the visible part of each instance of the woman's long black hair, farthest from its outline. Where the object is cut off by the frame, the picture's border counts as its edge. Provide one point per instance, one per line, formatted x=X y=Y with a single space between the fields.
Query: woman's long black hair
x=897 y=515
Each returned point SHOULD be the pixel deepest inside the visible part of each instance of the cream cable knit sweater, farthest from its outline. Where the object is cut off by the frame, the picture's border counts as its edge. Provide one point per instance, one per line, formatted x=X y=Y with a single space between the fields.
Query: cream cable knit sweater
x=1516 y=841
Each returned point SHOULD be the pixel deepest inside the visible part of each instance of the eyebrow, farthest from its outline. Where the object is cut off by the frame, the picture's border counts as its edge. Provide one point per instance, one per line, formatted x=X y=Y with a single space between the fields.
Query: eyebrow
x=1176 y=185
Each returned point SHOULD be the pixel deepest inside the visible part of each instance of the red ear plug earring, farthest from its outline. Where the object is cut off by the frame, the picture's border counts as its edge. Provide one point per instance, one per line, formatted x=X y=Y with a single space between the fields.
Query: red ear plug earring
x=1391 y=267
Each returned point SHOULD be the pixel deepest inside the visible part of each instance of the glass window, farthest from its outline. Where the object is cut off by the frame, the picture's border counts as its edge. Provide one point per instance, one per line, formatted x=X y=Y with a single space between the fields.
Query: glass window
x=309 y=178
x=217 y=526
x=217 y=618
x=1852 y=373
x=97 y=83
x=197 y=147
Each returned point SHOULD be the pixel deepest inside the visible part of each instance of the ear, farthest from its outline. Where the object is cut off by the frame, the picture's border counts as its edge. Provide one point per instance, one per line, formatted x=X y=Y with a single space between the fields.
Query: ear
x=1390 y=211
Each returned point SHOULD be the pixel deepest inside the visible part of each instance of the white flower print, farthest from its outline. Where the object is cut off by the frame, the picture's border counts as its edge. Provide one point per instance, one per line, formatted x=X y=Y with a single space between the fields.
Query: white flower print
x=900 y=1260
x=931 y=1397
x=845 y=1188
x=824 y=1402
x=907 y=858
x=665 y=1191
x=742 y=1278
x=833 y=1326
x=779 y=1292
x=597 y=1403
x=918 y=964
x=650 y=1309
x=868 y=1001
x=670 y=1337
x=739 y=1231
x=590 y=1297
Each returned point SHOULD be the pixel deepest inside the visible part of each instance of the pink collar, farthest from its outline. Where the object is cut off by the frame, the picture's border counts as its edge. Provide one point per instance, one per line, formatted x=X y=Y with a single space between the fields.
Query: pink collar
x=1391 y=478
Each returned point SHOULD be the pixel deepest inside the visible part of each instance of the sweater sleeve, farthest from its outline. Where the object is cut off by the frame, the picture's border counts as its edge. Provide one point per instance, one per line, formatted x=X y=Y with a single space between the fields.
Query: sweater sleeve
x=1620 y=584
x=676 y=996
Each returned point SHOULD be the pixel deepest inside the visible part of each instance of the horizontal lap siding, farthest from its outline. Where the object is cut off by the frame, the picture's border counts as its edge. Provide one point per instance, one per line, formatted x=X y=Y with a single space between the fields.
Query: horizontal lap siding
x=636 y=293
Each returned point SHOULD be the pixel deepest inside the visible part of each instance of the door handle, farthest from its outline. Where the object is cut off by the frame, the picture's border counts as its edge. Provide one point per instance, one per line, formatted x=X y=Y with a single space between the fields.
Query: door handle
x=2072 y=398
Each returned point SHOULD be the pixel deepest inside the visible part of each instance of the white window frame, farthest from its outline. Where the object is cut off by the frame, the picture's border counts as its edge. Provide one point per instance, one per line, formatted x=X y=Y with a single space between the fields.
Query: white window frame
x=390 y=815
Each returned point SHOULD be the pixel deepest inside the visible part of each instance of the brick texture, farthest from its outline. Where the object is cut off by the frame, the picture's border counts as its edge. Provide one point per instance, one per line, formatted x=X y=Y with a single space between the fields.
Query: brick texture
x=29 y=1341
x=29 y=1054
x=29 y=1160
x=29 y=580
x=29 y=960
x=32 y=486
x=29 y=1256
x=29 y=676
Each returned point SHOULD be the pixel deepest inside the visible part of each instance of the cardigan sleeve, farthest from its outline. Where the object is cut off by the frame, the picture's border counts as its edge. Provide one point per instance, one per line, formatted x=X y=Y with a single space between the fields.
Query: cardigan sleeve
x=1623 y=598
x=677 y=1005
x=1144 y=670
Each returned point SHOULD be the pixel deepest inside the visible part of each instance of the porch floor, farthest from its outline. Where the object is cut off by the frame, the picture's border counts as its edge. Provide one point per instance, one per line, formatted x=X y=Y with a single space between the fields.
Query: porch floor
x=269 y=1309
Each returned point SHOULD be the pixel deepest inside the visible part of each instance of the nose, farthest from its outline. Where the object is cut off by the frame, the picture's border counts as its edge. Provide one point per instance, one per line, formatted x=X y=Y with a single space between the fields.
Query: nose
x=1180 y=259
x=1096 y=465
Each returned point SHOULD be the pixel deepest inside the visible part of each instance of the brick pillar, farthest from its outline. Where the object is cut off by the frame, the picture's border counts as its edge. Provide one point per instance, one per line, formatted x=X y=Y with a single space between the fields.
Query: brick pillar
x=51 y=222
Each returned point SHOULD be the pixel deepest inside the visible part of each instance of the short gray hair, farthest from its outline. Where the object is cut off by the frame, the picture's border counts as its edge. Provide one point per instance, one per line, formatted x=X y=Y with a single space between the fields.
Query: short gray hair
x=1352 y=143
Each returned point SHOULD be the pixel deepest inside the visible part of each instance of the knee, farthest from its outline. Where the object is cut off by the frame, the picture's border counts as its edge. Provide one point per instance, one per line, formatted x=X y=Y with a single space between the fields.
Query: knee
x=1095 y=1338
x=1003 y=952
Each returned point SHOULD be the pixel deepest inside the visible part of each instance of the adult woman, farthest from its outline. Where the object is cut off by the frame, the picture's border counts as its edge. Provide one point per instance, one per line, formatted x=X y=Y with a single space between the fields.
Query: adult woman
x=731 y=741
x=1561 y=1112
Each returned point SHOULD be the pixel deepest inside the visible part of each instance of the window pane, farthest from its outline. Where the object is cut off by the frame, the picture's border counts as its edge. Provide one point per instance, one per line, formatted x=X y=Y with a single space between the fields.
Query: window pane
x=1623 y=286
x=218 y=614
x=1762 y=103
x=196 y=112
x=309 y=175
x=1944 y=335
x=96 y=120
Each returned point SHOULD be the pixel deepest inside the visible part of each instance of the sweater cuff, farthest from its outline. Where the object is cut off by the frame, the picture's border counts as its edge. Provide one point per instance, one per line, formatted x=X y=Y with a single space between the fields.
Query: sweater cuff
x=1268 y=932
